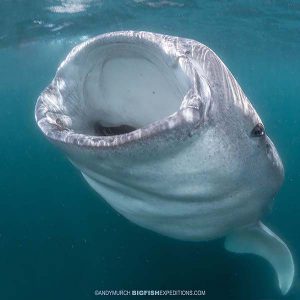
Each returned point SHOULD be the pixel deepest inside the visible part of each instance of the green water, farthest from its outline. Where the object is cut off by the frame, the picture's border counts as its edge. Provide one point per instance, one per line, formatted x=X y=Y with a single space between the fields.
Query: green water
x=58 y=239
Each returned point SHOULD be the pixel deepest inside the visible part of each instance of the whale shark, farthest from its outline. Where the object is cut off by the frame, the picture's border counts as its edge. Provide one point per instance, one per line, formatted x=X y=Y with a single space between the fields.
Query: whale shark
x=159 y=127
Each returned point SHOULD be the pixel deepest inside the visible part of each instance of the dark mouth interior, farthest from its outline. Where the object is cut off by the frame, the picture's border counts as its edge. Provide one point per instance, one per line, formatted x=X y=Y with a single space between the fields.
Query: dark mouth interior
x=112 y=130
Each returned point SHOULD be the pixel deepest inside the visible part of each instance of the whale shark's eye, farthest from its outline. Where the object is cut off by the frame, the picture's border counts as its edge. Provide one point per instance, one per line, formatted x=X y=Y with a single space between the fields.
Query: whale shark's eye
x=258 y=130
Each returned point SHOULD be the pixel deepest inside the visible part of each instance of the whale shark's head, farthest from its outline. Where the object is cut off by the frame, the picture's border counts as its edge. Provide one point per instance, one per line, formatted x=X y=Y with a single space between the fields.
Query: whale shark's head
x=124 y=87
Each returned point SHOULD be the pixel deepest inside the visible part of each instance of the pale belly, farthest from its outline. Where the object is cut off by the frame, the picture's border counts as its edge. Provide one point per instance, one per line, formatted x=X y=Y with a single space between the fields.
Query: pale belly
x=186 y=218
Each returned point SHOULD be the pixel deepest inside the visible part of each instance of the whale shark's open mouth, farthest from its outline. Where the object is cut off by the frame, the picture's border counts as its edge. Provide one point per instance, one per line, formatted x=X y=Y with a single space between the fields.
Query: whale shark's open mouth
x=113 y=85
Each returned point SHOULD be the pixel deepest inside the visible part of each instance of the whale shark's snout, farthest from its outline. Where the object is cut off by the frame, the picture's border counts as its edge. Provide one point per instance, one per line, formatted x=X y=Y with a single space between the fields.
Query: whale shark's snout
x=160 y=128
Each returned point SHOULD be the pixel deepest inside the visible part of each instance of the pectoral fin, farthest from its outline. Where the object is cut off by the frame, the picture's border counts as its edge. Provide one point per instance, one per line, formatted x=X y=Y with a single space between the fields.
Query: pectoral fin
x=260 y=240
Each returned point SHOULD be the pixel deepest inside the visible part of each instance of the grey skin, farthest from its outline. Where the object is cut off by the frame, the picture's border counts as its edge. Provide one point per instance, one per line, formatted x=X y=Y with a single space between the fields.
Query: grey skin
x=160 y=128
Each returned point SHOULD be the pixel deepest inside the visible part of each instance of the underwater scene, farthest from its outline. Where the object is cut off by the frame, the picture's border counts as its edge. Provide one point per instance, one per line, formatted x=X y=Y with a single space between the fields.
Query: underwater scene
x=149 y=236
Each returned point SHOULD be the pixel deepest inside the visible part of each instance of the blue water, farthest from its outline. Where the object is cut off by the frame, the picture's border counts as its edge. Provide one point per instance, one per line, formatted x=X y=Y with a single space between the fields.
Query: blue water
x=58 y=239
